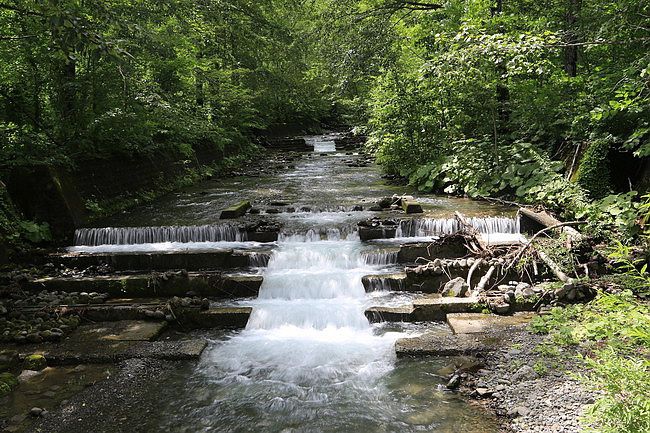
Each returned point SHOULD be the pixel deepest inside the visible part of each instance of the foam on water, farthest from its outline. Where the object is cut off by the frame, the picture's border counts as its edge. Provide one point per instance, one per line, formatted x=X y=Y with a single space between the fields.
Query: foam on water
x=307 y=334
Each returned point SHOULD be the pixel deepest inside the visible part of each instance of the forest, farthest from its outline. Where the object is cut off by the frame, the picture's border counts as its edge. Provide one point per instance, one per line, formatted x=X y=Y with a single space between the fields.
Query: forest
x=510 y=102
x=544 y=103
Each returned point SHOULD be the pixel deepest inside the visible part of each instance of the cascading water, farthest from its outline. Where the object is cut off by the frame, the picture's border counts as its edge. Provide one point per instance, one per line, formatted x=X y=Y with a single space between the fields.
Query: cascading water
x=422 y=227
x=150 y=235
x=308 y=357
x=322 y=143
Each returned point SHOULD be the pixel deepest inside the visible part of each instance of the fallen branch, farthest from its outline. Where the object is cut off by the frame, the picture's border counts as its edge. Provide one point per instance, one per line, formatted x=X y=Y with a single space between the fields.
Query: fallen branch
x=546 y=220
x=501 y=201
x=555 y=268
x=536 y=235
x=481 y=285
x=471 y=271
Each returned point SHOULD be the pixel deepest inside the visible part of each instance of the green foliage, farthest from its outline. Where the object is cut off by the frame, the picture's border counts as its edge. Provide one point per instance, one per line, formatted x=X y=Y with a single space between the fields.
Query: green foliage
x=593 y=174
x=615 y=332
x=94 y=78
x=620 y=320
x=7 y=383
x=472 y=100
x=35 y=232
x=624 y=384
x=614 y=213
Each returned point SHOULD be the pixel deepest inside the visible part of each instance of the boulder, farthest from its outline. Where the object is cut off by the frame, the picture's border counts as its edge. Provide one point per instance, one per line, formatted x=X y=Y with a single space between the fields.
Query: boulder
x=455 y=287
x=34 y=362
x=236 y=210
x=411 y=207
x=524 y=373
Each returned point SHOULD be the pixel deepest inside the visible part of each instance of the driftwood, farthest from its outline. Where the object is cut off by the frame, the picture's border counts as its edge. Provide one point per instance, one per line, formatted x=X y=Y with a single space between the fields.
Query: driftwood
x=481 y=285
x=471 y=272
x=536 y=235
x=548 y=221
x=474 y=242
x=555 y=268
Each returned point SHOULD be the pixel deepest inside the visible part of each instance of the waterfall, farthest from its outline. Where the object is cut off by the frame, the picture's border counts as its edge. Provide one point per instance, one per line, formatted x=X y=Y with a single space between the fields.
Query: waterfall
x=445 y=226
x=383 y=283
x=150 y=235
x=313 y=285
x=321 y=143
x=308 y=327
x=380 y=257
x=348 y=233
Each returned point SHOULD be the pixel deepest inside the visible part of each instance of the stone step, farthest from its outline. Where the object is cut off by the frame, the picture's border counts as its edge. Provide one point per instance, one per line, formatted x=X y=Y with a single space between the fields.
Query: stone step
x=162 y=261
x=436 y=345
x=475 y=323
x=390 y=314
x=437 y=308
x=106 y=342
x=219 y=317
x=191 y=317
x=425 y=309
x=389 y=282
x=211 y=284
x=111 y=352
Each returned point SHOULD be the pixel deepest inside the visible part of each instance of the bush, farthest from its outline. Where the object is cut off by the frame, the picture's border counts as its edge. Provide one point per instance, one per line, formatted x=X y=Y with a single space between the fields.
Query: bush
x=594 y=173
x=624 y=383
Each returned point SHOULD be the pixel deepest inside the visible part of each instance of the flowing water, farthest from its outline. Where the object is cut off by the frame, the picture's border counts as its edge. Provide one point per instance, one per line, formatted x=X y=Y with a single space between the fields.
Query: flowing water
x=308 y=359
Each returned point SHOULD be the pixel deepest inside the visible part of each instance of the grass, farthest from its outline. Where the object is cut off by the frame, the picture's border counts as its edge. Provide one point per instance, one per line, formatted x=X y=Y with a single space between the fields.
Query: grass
x=612 y=333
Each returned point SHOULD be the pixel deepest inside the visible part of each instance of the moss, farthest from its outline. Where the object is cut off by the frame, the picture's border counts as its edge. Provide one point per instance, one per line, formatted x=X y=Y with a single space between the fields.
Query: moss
x=7 y=383
x=35 y=362
x=594 y=173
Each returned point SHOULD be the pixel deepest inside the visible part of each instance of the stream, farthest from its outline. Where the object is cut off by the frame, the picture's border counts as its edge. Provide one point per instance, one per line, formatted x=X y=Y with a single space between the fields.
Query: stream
x=308 y=359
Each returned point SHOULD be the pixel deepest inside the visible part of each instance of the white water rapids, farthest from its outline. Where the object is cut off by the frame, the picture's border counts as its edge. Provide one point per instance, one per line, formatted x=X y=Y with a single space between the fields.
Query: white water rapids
x=308 y=325
x=309 y=361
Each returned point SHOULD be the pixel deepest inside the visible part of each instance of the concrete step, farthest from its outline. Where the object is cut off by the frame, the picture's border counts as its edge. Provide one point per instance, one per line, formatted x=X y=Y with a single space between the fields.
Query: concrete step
x=112 y=352
x=157 y=310
x=162 y=261
x=474 y=334
x=218 y=317
x=436 y=345
x=390 y=314
x=210 y=284
x=475 y=323
x=106 y=342
x=425 y=309
x=437 y=308
x=388 y=282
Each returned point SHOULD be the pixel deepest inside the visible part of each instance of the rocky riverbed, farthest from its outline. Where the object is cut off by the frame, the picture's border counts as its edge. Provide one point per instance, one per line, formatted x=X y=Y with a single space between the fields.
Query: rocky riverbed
x=531 y=385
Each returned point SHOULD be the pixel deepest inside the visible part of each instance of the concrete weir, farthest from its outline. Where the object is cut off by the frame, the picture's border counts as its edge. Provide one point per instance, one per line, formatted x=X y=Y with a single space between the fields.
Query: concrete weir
x=424 y=309
x=161 y=261
x=212 y=284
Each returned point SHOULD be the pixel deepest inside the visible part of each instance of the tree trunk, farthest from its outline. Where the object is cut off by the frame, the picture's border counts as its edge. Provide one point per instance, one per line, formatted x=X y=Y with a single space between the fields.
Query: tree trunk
x=571 y=50
x=502 y=91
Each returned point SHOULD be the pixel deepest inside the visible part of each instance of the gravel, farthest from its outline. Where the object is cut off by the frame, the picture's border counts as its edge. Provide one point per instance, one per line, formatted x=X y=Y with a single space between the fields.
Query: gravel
x=536 y=393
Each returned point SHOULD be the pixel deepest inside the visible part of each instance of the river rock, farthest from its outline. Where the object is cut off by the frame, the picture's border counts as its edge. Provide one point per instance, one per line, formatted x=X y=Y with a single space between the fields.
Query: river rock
x=455 y=287
x=519 y=411
x=524 y=373
x=454 y=382
x=34 y=362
